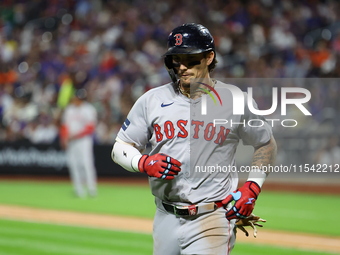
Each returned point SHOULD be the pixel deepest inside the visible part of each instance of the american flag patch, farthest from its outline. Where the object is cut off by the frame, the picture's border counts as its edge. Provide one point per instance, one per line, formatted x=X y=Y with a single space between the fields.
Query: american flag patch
x=125 y=124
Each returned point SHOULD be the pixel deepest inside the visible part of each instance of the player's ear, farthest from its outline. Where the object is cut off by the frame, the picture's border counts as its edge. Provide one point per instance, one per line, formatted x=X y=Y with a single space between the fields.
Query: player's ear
x=210 y=57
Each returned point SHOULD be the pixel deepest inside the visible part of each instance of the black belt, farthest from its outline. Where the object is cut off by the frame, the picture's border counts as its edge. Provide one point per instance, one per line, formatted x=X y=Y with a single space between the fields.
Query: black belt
x=191 y=210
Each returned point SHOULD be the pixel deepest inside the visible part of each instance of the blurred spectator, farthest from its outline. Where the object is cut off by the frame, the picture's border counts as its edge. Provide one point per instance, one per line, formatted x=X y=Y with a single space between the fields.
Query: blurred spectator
x=19 y=115
x=42 y=129
x=322 y=59
x=66 y=91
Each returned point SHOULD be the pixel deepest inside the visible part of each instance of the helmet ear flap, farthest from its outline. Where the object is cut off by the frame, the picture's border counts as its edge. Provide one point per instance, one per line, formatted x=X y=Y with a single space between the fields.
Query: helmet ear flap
x=170 y=68
x=168 y=62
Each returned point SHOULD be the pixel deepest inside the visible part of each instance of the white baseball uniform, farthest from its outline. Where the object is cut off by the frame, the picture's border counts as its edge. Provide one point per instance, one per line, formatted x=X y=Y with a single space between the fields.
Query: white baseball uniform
x=79 y=151
x=173 y=125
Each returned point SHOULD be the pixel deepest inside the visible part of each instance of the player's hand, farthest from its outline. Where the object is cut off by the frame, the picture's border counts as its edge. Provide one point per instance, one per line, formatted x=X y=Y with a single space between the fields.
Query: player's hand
x=159 y=165
x=251 y=221
x=244 y=198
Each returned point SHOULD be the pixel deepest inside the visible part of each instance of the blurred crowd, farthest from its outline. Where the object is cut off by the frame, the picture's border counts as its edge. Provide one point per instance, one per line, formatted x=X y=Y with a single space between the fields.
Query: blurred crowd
x=114 y=50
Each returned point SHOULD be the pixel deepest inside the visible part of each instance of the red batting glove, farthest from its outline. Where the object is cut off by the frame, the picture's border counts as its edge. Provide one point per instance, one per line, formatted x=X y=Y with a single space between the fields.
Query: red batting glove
x=244 y=198
x=159 y=165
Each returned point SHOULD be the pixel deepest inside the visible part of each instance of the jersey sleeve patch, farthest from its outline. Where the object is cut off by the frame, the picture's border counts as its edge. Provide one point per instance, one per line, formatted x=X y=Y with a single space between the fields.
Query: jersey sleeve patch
x=126 y=124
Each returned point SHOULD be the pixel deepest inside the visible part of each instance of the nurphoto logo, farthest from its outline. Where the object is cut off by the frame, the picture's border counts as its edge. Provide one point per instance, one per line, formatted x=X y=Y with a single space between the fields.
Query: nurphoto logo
x=240 y=99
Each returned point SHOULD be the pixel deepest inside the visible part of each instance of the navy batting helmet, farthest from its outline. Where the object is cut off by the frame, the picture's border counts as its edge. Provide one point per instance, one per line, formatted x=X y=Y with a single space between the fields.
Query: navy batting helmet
x=190 y=38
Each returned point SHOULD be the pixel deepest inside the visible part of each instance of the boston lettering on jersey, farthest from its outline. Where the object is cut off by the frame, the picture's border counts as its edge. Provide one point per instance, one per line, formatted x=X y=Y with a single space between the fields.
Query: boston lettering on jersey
x=209 y=132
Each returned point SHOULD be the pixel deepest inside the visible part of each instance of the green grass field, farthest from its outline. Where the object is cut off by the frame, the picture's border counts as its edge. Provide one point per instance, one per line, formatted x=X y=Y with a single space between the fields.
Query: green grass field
x=111 y=199
x=27 y=238
x=283 y=211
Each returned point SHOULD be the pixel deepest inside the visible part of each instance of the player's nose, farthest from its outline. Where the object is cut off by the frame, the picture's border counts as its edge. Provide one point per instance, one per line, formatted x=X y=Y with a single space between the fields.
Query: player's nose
x=182 y=66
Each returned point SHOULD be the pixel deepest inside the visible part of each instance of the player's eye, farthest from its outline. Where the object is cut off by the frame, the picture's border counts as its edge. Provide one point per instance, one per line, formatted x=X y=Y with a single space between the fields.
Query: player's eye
x=194 y=62
x=176 y=63
x=187 y=62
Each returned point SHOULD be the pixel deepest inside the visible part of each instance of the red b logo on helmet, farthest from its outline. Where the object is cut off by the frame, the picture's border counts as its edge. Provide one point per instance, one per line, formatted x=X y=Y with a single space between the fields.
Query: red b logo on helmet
x=179 y=40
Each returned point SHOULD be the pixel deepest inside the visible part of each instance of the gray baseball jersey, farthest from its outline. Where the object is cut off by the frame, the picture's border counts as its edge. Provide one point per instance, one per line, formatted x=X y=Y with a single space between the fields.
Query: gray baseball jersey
x=173 y=125
x=79 y=151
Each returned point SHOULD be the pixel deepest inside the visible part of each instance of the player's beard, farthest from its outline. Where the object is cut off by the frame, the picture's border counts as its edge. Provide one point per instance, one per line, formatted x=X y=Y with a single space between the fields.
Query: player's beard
x=187 y=80
x=184 y=84
x=189 y=87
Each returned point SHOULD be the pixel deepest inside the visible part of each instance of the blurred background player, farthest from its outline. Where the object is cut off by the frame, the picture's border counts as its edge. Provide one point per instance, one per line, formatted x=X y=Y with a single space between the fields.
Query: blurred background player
x=76 y=137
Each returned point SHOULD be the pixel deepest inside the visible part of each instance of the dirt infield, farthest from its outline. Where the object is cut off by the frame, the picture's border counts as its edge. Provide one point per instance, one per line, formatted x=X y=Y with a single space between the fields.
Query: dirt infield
x=267 y=237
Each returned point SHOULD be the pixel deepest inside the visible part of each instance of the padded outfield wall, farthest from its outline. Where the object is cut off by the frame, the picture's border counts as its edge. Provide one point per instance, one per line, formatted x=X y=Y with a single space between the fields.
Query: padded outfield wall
x=25 y=158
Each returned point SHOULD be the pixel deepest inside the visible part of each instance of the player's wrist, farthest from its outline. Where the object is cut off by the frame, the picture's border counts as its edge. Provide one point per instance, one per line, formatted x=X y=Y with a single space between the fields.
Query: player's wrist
x=258 y=176
x=253 y=187
x=138 y=163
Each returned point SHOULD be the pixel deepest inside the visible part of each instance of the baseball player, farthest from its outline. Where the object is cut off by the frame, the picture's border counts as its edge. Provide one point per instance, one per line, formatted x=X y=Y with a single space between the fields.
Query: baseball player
x=196 y=210
x=76 y=137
